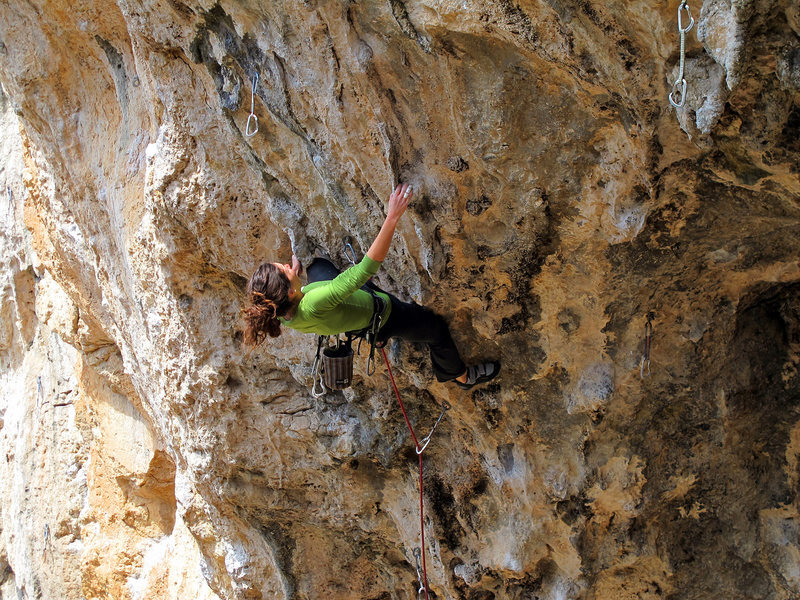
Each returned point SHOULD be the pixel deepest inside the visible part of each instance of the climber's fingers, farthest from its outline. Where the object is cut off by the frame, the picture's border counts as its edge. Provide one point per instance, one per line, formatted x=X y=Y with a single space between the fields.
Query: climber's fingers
x=398 y=200
x=297 y=266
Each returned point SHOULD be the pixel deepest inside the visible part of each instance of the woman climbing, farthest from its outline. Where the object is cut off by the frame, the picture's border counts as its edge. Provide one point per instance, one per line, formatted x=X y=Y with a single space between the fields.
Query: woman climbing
x=334 y=303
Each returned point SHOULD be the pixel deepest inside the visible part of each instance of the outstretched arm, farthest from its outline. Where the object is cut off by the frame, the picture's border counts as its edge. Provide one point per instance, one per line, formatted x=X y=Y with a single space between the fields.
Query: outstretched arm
x=398 y=202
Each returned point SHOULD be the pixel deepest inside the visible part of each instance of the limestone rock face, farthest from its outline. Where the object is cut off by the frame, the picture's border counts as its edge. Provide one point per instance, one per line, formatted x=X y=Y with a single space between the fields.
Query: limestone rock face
x=561 y=205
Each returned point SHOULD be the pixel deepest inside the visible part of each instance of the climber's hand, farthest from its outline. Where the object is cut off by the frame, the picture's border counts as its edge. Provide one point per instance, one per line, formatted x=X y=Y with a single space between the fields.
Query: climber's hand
x=296 y=266
x=398 y=201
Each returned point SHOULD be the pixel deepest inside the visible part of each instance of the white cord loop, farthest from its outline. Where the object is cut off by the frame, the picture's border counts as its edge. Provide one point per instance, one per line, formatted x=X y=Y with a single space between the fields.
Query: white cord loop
x=677 y=97
x=252 y=117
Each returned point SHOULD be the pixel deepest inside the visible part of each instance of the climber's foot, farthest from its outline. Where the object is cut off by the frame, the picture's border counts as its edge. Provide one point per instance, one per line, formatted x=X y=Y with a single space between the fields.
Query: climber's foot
x=480 y=373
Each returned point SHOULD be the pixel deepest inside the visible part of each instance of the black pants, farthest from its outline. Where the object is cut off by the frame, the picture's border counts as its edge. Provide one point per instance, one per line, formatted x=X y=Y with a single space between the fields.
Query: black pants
x=408 y=321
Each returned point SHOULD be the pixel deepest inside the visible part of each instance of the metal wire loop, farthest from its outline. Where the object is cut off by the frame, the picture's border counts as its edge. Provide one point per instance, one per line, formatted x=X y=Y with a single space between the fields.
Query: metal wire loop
x=316 y=391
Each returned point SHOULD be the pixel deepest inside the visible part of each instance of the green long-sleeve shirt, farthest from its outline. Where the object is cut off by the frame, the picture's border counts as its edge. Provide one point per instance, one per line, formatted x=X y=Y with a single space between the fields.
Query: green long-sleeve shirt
x=337 y=306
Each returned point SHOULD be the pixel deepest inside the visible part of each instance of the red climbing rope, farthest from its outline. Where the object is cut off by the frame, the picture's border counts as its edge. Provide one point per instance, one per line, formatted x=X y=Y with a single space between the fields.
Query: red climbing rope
x=419 y=453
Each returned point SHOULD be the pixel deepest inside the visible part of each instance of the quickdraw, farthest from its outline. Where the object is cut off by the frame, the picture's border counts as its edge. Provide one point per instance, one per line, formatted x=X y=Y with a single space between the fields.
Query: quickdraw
x=427 y=439
x=252 y=117
x=372 y=336
x=679 y=86
x=644 y=364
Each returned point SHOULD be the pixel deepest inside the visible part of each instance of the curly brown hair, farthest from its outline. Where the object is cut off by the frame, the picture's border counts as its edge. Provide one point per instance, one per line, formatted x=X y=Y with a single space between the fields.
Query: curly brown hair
x=268 y=290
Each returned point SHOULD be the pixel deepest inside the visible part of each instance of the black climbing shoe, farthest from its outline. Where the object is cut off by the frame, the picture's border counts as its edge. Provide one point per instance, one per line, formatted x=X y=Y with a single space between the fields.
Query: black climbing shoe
x=480 y=373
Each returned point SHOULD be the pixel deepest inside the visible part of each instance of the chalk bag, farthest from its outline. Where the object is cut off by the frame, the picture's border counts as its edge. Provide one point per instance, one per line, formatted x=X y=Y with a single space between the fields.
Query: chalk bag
x=337 y=366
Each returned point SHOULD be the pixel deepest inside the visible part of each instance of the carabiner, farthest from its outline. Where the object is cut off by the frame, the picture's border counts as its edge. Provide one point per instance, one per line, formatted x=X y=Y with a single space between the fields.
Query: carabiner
x=678 y=86
x=247 y=131
x=688 y=28
x=315 y=373
x=349 y=253
x=317 y=393
x=372 y=339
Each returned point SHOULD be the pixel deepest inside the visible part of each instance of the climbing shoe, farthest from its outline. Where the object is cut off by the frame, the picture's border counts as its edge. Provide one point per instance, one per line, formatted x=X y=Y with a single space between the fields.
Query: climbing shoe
x=480 y=373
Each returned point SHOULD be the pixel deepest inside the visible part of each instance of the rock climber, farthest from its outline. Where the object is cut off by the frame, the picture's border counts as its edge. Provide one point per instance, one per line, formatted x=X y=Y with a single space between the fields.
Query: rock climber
x=334 y=303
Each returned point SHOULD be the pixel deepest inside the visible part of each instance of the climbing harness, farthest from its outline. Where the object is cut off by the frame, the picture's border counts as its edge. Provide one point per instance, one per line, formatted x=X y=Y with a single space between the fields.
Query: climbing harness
x=644 y=365
x=679 y=86
x=252 y=116
x=333 y=365
x=371 y=332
